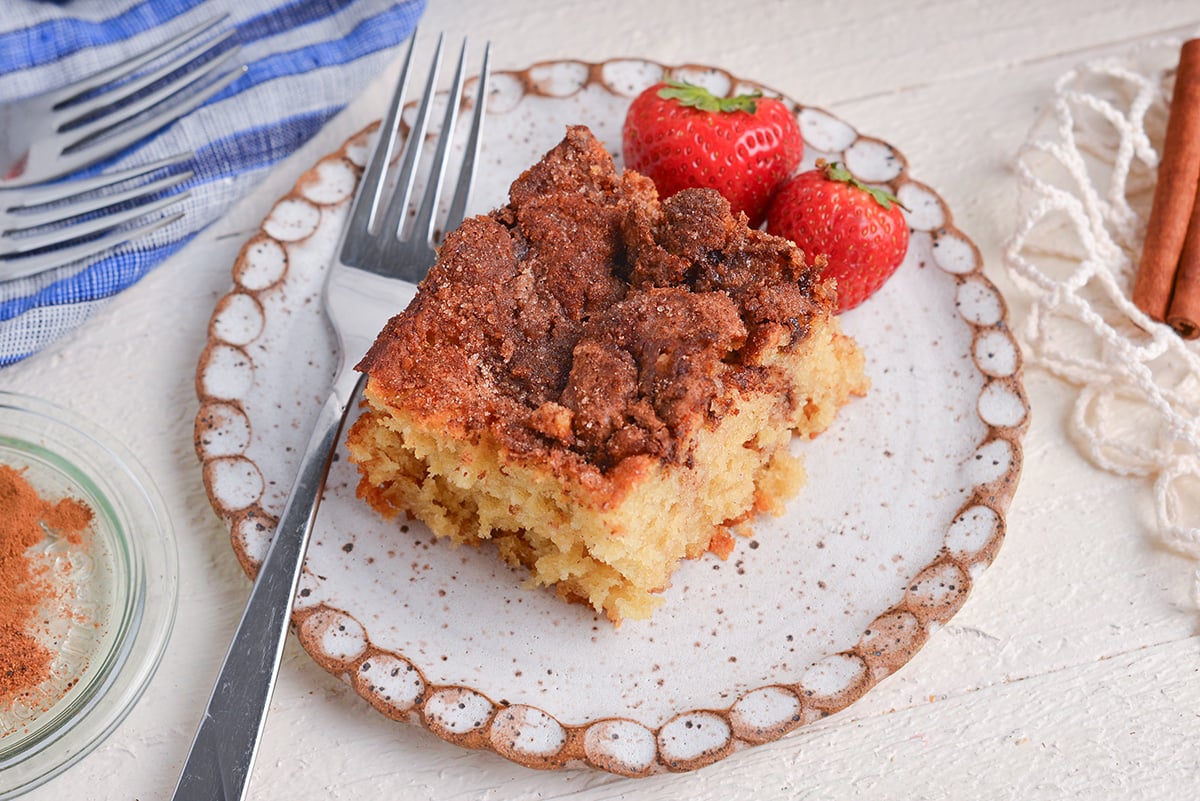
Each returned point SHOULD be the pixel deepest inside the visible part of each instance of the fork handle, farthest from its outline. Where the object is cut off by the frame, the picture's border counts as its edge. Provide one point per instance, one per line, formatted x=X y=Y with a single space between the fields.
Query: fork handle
x=222 y=755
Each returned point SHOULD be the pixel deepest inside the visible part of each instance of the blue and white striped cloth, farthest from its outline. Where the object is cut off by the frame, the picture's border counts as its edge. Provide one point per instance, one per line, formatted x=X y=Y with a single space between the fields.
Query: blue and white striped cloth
x=306 y=59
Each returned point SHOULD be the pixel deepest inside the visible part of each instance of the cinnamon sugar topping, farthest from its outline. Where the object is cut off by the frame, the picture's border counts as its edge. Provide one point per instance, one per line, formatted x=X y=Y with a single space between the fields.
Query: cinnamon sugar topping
x=590 y=322
x=24 y=585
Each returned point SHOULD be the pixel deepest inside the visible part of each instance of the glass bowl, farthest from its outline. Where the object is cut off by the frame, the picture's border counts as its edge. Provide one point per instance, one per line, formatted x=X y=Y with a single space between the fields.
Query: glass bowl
x=114 y=597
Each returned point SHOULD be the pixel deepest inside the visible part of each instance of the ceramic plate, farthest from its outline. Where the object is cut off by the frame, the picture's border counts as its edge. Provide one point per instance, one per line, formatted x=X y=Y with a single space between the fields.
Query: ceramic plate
x=903 y=509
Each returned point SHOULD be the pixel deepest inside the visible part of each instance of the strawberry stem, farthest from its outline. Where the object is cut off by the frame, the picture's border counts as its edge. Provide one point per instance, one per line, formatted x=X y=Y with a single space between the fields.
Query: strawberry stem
x=836 y=171
x=698 y=97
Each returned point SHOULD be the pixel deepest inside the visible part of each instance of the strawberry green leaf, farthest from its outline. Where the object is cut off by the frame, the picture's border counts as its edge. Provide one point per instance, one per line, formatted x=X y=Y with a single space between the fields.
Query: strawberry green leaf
x=698 y=97
x=836 y=171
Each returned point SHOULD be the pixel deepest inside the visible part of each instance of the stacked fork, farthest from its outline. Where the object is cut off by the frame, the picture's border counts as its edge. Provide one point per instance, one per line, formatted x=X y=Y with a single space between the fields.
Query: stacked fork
x=45 y=224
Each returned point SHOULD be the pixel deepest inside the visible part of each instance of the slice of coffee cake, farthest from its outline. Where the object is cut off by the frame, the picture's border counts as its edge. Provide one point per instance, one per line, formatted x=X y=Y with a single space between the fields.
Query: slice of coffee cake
x=600 y=383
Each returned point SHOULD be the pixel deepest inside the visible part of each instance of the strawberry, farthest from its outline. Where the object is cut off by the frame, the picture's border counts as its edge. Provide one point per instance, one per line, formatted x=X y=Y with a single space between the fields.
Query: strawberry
x=858 y=230
x=681 y=136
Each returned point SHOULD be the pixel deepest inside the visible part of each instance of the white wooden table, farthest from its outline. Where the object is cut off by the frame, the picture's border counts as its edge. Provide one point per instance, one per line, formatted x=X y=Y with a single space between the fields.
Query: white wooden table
x=1072 y=672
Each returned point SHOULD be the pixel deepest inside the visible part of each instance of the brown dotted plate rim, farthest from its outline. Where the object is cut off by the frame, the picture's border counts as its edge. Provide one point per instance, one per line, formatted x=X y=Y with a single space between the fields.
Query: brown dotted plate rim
x=910 y=621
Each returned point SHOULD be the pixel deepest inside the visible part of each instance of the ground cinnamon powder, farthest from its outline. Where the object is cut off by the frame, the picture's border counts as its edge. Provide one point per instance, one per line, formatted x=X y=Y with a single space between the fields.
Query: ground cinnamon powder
x=24 y=586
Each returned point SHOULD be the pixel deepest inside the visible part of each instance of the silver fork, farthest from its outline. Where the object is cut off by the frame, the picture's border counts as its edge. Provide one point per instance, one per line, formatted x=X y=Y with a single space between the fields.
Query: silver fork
x=56 y=133
x=373 y=276
x=44 y=227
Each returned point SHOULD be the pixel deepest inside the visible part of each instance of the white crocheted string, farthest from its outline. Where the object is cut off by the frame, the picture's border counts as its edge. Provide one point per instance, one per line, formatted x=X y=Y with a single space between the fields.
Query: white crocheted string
x=1086 y=174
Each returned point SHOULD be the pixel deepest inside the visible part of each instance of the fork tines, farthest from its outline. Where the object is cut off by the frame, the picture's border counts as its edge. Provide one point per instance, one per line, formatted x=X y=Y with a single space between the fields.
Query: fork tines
x=104 y=102
x=389 y=223
x=51 y=226
x=102 y=114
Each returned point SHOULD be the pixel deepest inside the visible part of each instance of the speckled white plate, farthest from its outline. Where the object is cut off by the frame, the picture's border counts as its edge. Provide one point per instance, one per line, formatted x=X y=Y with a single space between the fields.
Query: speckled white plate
x=903 y=509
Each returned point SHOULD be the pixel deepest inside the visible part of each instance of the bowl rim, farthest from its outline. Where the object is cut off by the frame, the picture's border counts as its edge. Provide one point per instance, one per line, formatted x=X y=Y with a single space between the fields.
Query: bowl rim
x=133 y=518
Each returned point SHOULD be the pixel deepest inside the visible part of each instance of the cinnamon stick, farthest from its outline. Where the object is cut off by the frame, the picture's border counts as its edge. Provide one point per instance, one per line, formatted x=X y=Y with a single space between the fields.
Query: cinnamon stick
x=1183 y=314
x=1175 y=192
